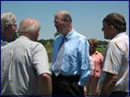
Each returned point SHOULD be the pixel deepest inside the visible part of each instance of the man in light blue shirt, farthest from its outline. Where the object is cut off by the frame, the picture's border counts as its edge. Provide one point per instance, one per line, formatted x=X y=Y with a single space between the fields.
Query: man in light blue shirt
x=70 y=59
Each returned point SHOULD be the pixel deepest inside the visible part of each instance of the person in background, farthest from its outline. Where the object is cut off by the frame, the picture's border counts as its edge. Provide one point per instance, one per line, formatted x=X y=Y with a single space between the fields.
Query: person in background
x=70 y=64
x=96 y=59
x=8 y=27
x=115 y=72
x=24 y=63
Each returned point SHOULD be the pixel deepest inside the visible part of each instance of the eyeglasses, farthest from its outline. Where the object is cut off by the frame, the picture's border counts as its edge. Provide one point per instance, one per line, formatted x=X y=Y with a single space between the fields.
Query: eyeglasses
x=14 y=25
x=58 y=20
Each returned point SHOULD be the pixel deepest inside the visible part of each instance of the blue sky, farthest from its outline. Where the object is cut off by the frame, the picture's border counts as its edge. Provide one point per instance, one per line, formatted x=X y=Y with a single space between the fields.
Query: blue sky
x=87 y=16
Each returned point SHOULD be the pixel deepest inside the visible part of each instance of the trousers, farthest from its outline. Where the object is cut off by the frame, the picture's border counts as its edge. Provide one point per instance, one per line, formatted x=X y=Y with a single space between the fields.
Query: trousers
x=66 y=86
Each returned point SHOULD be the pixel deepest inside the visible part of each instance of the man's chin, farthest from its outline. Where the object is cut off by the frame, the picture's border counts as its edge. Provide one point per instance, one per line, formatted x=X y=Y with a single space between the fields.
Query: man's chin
x=107 y=38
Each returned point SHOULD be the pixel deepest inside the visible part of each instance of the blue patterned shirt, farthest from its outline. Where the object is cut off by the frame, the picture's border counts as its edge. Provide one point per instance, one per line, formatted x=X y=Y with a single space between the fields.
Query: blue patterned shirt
x=75 y=56
x=3 y=42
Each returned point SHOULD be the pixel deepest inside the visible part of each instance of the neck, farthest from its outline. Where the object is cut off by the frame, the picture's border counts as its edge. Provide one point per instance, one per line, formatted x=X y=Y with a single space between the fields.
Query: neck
x=6 y=37
x=28 y=35
x=114 y=33
x=68 y=30
x=92 y=52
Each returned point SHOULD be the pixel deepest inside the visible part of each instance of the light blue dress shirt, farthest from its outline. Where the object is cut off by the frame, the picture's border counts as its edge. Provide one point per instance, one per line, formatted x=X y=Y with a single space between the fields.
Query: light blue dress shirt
x=75 y=56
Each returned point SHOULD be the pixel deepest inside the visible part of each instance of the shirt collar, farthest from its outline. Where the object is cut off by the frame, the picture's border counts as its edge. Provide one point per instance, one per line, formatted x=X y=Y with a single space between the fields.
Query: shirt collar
x=69 y=35
x=120 y=34
x=24 y=37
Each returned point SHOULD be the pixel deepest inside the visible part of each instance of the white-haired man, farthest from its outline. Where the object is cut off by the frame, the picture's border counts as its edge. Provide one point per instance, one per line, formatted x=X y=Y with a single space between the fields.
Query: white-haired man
x=8 y=27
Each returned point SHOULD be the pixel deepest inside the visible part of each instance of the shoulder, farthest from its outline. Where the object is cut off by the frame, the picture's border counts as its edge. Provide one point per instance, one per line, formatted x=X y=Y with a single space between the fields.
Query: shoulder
x=7 y=44
x=119 y=41
x=29 y=44
x=38 y=45
x=80 y=37
x=122 y=37
x=99 y=54
x=82 y=41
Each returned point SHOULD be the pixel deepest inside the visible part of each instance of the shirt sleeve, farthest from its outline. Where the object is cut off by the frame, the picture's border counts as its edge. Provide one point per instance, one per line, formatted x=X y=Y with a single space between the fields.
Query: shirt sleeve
x=53 y=53
x=40 y=60
x=112 y=59
x=85 y=69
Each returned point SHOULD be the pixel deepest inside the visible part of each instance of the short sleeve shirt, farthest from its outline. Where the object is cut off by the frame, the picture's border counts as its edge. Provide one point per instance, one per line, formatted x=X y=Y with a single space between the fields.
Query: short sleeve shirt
x=22 y=61
x=117 y=61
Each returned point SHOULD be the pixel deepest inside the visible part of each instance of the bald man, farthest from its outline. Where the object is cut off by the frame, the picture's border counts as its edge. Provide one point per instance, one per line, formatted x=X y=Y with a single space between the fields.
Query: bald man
x=70 y=60
x=24 y=63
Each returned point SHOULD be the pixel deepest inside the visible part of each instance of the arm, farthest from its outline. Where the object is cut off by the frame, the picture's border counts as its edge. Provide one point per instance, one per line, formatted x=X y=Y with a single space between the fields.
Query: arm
x=108 y=84
x=84 y=60
x=45 y=84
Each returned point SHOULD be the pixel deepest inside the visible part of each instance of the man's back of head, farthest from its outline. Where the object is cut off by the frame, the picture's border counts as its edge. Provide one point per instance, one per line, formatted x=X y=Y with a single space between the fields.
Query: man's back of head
x=29 y=27
x=24 y=63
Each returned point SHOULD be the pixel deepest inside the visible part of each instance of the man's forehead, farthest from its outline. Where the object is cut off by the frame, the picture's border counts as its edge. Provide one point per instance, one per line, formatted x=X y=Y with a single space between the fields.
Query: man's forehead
x=58 y=16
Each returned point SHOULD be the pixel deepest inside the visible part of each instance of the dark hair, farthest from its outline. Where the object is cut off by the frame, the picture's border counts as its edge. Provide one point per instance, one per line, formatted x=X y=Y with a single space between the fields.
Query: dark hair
x=67 y=16
x=93 y=41
x=117 y=21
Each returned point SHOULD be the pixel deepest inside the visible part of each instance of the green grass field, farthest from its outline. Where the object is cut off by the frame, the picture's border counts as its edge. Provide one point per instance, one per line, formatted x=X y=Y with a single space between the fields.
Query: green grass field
x=101 y=49
x=49 y=51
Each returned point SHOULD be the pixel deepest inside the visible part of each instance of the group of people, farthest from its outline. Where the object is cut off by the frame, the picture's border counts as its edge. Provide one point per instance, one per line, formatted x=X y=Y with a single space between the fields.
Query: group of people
x=77 y=68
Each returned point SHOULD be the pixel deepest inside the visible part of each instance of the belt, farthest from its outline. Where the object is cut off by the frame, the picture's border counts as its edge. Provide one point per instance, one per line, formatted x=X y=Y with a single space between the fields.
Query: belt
x=119 y=93
x=64 y=77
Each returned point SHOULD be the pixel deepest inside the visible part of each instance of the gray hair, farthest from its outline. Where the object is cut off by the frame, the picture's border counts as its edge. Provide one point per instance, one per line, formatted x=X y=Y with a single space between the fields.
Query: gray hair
x=65 y=15
x=7 y=19
x=29 y=26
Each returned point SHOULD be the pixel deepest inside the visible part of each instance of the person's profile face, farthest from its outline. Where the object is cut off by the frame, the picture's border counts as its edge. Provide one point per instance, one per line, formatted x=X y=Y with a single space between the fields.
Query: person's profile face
x=107 y=30
x=92 y=48
x=10 y=31
x=59 y=24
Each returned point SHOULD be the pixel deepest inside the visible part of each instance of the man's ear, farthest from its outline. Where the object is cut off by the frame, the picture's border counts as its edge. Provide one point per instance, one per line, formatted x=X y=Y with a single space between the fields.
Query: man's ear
x=36 y=34
x=67 y=20
x=112 y=27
